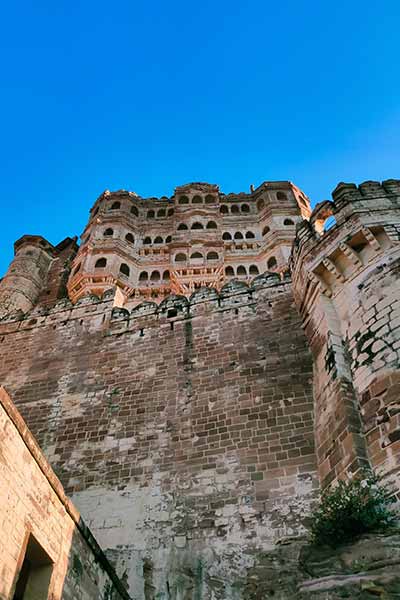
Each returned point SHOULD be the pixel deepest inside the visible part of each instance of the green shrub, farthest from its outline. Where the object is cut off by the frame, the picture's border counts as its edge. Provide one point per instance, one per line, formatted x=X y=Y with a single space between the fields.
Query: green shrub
x=351 y=508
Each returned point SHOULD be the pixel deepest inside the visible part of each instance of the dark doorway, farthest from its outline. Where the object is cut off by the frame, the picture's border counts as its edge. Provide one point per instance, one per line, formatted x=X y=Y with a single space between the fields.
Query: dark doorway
x=34 y=577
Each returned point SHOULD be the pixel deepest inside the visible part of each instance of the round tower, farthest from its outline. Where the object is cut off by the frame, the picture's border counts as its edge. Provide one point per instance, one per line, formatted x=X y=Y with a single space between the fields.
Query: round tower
x=26 y=276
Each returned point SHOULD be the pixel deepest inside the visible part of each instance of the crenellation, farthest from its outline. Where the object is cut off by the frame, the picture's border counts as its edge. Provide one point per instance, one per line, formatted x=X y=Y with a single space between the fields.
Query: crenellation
x=392 y=186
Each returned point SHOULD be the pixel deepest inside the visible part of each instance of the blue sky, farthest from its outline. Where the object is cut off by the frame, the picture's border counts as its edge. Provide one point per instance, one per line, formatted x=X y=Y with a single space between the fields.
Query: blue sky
x=147 y=95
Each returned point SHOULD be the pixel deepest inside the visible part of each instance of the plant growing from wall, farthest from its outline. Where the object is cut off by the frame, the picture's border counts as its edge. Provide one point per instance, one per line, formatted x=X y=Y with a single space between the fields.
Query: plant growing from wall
x=351 y=508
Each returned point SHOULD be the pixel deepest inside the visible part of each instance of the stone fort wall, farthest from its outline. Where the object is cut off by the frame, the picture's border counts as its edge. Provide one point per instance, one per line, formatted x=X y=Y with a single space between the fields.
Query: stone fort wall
x=183 y=433
x=194 y=431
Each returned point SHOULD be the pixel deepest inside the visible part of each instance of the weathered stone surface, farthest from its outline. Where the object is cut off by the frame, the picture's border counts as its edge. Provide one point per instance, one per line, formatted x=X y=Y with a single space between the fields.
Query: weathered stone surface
x=33 y=503
x=190 y=438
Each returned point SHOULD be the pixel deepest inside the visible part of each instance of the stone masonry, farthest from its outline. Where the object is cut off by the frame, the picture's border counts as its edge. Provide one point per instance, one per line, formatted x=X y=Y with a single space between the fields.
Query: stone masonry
x=201 y=365
x=33 y=505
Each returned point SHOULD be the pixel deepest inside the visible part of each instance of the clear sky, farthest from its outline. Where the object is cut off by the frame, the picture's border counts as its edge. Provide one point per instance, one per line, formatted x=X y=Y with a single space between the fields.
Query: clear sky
x=147 y=95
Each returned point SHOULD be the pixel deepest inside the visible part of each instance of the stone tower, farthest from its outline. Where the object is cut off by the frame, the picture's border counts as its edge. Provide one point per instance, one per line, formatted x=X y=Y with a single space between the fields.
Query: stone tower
x=37 y=266
x=346 y=287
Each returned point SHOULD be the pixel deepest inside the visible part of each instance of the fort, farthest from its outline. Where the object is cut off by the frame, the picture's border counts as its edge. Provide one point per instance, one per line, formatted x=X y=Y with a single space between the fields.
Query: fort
x=194 y=372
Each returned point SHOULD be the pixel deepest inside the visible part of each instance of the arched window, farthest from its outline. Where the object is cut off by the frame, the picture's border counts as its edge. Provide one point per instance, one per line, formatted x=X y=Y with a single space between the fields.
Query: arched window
x=281 y=196
x=115 y=206
x=170 y=212
x=235 y=209
x=288 y=222
x=238 y=235
x=271 y=264
x=210 y=199
x=241 y=270
x=250 y=235
x=143 y=276
x=197 y=226
x=96 y=210
x=223 y=209
x=260 y=205
x=124 y=269
x=245 y=208
x=147 y=240
x=108 y=232
x=155 y=276
x=134 y=211
x=229 y=271
x=183 y=200
x=226 y=236
x=266 y=230
x=161 y=212
x=158 y=240
x=100 y=263
x=197 y=200
x=168 y=239
x=212 y=256
x=180 y=257
x=196 y=255
x=150 y=214
x=211 y=225
x=129 y=238
x=253 y=270
x=166 y=275
x=330 y=222
x=182 y=227
x=76 y=270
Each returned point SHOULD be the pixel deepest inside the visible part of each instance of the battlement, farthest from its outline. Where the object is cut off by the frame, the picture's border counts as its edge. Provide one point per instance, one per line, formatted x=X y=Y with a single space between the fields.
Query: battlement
x=234 y=294
x=350 y=192
x=33 y=240
x=366 y=221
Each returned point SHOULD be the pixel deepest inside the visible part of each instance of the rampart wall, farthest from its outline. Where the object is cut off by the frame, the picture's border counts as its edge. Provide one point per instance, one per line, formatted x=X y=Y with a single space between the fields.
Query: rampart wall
x=184 y=432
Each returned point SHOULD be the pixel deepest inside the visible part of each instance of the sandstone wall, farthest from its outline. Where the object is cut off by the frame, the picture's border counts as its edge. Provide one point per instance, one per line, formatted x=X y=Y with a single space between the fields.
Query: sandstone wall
x=347 y=289
x=32 y=502
x=184 y=433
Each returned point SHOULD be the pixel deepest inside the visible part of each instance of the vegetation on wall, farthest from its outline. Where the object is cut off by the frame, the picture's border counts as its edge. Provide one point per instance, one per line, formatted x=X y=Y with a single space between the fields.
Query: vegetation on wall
x=352 y=508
